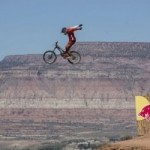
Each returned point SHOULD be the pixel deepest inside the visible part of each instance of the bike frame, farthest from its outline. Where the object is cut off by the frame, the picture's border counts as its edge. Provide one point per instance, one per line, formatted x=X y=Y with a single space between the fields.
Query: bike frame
x=58 y=48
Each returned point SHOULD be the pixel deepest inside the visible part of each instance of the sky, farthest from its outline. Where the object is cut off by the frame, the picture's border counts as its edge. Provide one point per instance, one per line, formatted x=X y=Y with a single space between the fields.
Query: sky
x=33 y=26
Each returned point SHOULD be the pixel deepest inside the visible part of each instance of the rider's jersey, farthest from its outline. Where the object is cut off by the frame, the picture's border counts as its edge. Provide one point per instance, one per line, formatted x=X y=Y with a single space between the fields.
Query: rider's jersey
x=70 y=32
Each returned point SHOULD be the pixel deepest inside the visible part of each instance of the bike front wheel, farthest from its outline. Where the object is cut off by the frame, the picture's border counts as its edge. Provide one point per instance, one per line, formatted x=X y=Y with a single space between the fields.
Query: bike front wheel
x=49 y=57
x=75 y=57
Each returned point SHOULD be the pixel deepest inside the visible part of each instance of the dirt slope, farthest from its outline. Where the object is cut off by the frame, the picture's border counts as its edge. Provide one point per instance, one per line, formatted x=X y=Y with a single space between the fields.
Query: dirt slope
x=138 y=143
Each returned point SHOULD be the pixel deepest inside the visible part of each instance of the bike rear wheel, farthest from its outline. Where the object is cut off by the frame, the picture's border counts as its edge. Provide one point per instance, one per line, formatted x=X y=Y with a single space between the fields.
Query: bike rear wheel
x=49 y=57
x=75 y=57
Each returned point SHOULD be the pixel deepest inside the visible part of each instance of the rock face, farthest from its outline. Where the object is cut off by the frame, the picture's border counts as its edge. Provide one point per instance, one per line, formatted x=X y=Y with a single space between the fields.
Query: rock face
x=99 y=90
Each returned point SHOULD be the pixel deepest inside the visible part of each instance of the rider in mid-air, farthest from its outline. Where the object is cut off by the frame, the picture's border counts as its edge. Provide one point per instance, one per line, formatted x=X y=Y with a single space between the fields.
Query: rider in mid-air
x=72 y=39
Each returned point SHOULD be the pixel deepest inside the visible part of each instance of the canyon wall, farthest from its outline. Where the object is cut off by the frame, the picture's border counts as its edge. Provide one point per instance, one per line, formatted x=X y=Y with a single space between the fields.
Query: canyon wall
x=100 y=89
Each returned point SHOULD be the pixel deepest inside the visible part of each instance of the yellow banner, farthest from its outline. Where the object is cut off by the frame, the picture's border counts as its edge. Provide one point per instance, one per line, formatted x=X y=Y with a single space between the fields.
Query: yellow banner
x=142 y=108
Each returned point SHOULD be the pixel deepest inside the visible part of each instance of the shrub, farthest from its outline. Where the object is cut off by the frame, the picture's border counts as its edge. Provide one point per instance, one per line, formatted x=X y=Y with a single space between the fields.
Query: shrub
x=127 y=137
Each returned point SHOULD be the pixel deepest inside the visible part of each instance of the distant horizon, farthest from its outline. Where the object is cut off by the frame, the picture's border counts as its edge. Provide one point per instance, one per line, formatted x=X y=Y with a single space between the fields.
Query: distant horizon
x=86 y=42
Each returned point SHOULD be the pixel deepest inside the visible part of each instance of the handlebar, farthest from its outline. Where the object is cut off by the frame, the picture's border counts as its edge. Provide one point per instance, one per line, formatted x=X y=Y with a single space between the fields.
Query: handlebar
x=56 y=44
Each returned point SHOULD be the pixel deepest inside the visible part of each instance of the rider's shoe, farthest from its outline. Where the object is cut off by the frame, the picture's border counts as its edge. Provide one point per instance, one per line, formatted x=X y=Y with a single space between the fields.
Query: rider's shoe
x=66 y=55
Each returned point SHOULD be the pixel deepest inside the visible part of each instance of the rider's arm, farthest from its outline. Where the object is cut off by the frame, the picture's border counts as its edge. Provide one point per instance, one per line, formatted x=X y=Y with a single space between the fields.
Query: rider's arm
x=74 y=28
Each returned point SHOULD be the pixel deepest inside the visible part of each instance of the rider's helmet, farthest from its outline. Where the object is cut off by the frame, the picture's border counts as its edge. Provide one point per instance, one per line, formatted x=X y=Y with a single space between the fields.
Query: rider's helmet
x=63 y=30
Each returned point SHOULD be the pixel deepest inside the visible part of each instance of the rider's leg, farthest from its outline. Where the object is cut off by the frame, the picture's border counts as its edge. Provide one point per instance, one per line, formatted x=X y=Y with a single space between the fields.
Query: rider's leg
x=69 y=45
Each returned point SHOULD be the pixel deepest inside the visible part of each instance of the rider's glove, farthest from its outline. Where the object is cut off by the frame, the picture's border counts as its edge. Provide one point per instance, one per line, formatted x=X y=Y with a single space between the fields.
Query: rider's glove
x=80 y=25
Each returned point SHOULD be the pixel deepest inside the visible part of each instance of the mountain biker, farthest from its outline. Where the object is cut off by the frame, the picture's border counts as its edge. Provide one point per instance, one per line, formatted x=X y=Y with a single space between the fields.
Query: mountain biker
x=72 y=39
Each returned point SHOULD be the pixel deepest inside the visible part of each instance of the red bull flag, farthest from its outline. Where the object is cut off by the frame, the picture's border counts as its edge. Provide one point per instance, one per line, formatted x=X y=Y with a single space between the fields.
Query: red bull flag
x=142 y=108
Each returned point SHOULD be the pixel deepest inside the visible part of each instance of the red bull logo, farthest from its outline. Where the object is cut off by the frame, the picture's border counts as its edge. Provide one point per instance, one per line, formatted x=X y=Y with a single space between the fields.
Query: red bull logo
x=145 y=112
x=142 y=108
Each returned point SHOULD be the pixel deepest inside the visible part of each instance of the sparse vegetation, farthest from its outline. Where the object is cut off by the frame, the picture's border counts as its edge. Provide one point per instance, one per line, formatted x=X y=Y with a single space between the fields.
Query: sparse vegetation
x=127 y=137
x=57 y=146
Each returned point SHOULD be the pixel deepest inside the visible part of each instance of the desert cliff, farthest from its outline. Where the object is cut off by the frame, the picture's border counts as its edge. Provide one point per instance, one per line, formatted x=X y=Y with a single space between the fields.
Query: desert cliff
x=99 y=91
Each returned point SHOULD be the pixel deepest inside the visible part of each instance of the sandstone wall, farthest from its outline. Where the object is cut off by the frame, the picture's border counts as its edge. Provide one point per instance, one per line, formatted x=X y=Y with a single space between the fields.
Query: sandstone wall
x=100 y=89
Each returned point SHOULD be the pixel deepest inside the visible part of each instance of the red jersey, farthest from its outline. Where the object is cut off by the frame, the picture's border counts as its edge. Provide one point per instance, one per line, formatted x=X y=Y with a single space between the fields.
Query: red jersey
x=70 y=32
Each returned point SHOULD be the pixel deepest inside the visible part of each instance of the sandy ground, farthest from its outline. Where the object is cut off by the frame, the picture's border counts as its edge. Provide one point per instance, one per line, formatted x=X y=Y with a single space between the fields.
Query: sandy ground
x=16 y=144
x=138 y=143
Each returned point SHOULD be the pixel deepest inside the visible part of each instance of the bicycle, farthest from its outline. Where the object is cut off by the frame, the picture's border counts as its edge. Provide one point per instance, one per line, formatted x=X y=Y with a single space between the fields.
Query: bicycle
x=50 y=56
